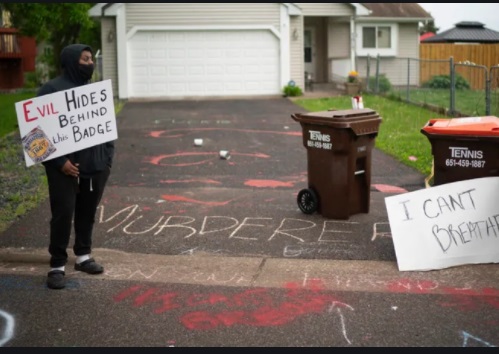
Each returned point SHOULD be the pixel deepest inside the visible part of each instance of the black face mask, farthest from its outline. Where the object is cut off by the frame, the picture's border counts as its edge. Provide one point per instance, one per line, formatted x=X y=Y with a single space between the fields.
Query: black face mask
x=86 y=71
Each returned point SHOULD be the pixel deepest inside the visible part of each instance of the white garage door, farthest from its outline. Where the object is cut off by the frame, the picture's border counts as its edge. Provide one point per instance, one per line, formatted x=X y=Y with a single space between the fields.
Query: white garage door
x=208 y=63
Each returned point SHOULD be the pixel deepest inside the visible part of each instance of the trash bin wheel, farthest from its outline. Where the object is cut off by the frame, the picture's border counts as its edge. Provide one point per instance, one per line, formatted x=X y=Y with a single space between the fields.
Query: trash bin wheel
x=308 y=202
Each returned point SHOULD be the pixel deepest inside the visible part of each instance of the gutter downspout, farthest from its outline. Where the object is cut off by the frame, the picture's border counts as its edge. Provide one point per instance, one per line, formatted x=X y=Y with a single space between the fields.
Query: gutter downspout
x=103 y=10
x=353 y=44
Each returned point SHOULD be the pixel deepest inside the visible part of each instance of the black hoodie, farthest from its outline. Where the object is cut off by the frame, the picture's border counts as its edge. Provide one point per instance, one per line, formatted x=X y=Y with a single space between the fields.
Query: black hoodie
x=93 y=159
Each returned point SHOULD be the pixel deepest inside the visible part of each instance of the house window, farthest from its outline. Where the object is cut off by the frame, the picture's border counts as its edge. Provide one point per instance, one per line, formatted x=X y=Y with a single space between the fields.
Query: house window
x=377 y=39
x=384 y=37
x=369 y=37
x=307 y=39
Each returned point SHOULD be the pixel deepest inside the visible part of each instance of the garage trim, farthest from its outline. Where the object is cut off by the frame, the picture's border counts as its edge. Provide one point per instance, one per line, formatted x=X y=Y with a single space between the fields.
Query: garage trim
x=135 y=29
x=284 y=57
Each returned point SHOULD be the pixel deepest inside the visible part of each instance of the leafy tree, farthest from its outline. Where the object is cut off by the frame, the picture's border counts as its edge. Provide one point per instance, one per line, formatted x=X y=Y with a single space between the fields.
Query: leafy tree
x=57 y=24
x=428 y=27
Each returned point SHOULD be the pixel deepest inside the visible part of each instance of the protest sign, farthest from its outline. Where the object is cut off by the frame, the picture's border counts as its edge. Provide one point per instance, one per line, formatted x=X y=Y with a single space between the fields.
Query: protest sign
x=66 y=121
x=447 y=225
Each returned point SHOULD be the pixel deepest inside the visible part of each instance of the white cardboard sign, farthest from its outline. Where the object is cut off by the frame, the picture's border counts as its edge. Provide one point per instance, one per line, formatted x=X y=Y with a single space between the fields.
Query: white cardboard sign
x=66 y=121
x=448 y=225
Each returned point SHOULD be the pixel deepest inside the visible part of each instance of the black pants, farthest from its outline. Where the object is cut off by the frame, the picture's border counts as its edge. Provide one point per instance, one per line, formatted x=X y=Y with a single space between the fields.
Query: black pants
x=68 y=198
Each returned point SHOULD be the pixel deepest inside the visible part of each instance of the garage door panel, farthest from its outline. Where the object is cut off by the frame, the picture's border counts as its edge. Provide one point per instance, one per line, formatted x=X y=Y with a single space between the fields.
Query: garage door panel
x=157 y=54
x=159 y=86
x=214 y=70
x=196 y=70
x=196 y=87
x=176 y=70
x=156 y=78
x=139 y=55
x=235 y=86
x=176 y=36
x=141 y=44
x=233 y=54
x=203 y=63
x=177 y=86
x=195 y=53
x=214 y=53
x=158 y=70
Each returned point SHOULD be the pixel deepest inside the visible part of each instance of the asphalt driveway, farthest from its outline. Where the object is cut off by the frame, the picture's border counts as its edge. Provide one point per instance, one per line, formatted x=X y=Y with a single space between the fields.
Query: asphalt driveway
x=201 y=250
x=168 y=196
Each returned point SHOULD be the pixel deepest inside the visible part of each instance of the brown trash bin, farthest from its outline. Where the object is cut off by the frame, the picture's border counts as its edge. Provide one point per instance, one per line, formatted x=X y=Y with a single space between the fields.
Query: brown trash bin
x=339 y=148
x=463 y=148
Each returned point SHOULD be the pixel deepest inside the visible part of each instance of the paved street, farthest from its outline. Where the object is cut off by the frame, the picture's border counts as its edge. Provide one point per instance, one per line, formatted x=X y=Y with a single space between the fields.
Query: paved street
x=204 y=251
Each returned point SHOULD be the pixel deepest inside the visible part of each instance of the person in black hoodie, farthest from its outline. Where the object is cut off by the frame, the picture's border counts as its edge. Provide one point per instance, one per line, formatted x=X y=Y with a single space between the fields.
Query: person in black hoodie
x=76 y=181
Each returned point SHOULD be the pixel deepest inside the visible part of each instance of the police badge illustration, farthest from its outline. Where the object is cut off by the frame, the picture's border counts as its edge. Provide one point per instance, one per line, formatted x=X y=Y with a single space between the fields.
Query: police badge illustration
x=37 y=145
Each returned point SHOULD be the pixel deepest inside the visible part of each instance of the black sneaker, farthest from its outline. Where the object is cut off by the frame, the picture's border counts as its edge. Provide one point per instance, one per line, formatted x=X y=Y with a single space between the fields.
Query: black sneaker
x=89 y=266
x=55 y=279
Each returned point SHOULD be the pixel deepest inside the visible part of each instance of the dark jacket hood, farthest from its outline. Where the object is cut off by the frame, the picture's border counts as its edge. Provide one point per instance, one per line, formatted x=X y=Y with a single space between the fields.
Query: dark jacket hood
x=70 y=57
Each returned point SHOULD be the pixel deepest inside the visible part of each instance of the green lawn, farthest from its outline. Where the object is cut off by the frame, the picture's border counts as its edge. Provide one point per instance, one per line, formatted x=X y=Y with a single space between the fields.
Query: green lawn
x=400 y=132
x=8 y=117
x=468 y=102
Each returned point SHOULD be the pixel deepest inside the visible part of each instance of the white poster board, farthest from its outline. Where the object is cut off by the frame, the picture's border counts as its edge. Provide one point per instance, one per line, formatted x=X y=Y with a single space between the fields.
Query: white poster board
x=67 y=121
x=448 y=225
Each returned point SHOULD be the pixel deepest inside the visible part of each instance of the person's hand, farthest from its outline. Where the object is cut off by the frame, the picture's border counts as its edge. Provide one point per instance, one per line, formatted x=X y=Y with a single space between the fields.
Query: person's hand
x=70 y=170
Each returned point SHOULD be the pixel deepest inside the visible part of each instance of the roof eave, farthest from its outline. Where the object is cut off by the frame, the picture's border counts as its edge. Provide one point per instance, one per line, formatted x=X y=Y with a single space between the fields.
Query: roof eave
x=105 y=9
x=293 y=9
x=96 y=10
x=394 y=19
x=360 y=10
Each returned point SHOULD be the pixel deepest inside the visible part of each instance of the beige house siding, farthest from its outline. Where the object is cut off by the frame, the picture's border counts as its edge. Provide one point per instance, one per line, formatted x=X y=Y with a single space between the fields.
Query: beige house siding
x=408 y=40
x=409 y=48
x=296 y=48
x=192 y=14
x=398 y=69
x=338 y=40
x=326 y=9
x=338 y=50
x=109 y=53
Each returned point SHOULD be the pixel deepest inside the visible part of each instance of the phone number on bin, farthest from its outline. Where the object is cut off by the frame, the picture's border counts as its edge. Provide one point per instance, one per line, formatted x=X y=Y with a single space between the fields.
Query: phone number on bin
x=465 y=163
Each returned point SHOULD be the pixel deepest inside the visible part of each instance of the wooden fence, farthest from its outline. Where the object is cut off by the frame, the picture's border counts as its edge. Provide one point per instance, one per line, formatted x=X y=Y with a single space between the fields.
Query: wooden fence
x=433 y=55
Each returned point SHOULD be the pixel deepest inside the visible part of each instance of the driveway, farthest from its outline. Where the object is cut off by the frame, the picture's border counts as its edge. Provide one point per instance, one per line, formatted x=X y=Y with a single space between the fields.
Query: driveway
x=178 y=221
x=167 y=196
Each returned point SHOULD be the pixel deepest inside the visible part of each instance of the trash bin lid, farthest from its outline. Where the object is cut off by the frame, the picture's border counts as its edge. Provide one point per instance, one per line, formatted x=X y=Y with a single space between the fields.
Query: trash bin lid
x=477 y=126
x=343 y=116
x=361 y=121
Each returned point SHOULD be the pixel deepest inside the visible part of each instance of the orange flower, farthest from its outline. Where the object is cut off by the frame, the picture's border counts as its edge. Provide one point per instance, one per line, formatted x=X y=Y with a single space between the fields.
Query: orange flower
x=353 y=76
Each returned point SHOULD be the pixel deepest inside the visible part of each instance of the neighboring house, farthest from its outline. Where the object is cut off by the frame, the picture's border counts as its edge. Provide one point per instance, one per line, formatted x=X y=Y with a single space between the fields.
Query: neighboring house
x=466 y=32
x=154 y=50
x=4 y=19
x=425 y=36
x=468 y=42
x=17 y=55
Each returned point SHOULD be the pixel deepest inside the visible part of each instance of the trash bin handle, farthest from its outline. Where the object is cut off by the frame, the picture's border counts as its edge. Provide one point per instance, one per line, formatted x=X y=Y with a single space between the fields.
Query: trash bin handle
x=431 y=122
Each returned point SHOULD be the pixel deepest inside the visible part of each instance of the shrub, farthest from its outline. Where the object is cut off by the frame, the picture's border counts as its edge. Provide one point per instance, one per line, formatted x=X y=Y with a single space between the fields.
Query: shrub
x=31 y=80
x=443 y=82
x=384 y=84
x=292 y=91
